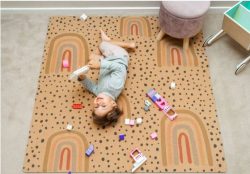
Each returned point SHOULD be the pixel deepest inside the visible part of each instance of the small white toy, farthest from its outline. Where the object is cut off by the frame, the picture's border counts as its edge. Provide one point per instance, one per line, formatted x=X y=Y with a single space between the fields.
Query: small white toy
x=69 y=127
x=132 y=122
x=83 y=17
x=76 y=73
x=138 y=157
x=127 y=121
x=172 y=85
x=139 y=121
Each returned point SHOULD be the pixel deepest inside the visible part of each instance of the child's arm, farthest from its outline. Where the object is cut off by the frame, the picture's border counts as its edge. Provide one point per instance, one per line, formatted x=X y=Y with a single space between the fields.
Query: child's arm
x=110 y=66
x=88 y=84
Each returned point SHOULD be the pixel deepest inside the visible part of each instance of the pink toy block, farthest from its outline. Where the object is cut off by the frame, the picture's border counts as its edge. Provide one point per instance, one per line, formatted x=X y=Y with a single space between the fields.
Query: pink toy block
x=132 y=122
x=65 y=63
x=154 y=135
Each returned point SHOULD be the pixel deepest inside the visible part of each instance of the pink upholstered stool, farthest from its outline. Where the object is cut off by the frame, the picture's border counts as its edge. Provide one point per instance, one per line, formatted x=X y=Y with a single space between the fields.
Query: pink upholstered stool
x=182 y=19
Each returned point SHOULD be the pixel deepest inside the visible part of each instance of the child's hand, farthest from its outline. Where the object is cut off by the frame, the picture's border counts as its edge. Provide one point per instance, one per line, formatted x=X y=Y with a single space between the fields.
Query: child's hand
x=94 y=64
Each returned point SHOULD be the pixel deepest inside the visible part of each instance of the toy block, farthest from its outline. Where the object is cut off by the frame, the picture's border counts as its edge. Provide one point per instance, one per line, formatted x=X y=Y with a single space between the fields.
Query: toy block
x=147 y=103
x=132 y=122
x=65 y=63
x=83 y=17
x=172 y=85
x=121 y=137
x=77 y=106
x=69 y=127
x=153 y=135
x=146 y=108
x=127 y=121
x=69 y=172
x=138 y=157
x=139 y=121
x=90 y=150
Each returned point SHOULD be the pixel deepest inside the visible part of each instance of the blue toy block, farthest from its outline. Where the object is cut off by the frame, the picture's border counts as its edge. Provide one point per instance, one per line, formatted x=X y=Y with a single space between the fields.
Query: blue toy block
x=121 y=137
x=90 y=150
x=69 y=172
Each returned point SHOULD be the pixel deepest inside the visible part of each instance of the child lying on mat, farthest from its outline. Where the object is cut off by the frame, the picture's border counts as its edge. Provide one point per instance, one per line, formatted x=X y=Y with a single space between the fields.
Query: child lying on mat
x=113 y=64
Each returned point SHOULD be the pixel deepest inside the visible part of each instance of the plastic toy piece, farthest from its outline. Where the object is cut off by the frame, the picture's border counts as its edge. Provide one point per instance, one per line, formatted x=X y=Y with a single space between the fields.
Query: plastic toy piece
x=139 y=121
x=172 y=85
x=127 y=121
x=83 y=17
x=69 y=127
x=138 y=157
x=65 y=63
x=153 y=135
x=90 y=150
x=147 y=103
x=121 y=137
x=162 y=104
x=132 y=122
x=69 y=172
x=77 y=106
x=76 y=73
x=146 y=108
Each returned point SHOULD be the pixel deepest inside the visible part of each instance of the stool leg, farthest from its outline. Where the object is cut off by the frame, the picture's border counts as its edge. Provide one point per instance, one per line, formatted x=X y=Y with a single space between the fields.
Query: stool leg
x=185 y=43
x=160 y=35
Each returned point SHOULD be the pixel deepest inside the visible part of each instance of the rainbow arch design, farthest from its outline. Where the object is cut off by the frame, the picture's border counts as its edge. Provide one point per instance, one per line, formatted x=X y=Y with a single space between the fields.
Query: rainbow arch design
x=65 y=152
x=185 y=142
x=124 y=104
x=70 y=46
x=135 y=26
x=171 y=53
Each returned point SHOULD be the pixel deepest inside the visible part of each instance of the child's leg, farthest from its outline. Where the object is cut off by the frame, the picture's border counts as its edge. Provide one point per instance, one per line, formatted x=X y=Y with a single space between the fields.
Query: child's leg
x=128 y=45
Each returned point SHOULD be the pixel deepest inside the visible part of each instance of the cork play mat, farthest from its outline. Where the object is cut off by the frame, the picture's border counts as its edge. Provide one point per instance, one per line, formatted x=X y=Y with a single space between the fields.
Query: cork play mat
x=190 y=143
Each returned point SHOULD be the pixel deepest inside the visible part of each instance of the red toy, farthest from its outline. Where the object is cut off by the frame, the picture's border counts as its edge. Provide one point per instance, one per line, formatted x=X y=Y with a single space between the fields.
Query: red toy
x=77 y=106
x=162 y=104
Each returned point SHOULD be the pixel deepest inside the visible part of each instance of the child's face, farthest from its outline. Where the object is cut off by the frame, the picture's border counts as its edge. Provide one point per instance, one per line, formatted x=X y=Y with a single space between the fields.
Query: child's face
x=103 y=104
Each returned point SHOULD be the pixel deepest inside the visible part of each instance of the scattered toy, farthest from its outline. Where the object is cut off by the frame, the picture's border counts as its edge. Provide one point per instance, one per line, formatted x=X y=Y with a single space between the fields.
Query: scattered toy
x=147 y=103
x=162 y=104
x=138 y=157
x=90 y=150
x=77 y=106
x=69 y=127
x=139 y=121
x=132 y=122
x=83 y=17
x=153 y=135
x=172 y=85
x=146 y=108
x=65 y=63
x=127 y=121
x=121 y=137
x=69 y=172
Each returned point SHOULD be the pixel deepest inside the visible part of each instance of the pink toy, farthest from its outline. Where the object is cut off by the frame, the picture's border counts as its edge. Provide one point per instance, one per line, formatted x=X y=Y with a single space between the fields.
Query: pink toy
x=138 y=157
x=132 y=122
x=65 y=63
x=154 y=135
x=162 y=104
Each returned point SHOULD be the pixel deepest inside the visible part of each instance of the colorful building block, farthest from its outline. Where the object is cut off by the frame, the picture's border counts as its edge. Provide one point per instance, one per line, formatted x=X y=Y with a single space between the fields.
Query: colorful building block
x=153 y=135
x=121 y=137
x=69 y=127
x=147 y=103
x=90 y=150
x=77 y=106
x=139 y=121
x=127 y=121
x=132 y=122
x=146 y=108
x=172 y=85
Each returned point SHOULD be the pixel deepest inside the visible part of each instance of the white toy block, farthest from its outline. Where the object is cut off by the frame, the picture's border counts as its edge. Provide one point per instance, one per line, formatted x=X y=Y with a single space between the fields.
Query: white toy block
x=139 y=121
x=83 y=17
x=154 y=135
x=132 y=122
x=127 y=121
x=172 y=85
x=69 y=127
x=147 y=103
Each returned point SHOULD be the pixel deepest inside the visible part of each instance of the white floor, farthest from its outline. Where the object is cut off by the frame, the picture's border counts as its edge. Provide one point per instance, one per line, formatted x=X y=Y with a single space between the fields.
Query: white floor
x=23 y=38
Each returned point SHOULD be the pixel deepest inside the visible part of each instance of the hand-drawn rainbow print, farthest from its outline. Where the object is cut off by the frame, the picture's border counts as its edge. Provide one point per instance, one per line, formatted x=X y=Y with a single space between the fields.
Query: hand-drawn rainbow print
x=171 y=53
x=185 y=142
x=70 y=46
x=65 y=151
x=135 y=26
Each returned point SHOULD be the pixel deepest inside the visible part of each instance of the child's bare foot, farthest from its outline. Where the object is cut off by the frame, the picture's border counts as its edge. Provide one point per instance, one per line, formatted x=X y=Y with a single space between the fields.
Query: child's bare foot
x=104 y=36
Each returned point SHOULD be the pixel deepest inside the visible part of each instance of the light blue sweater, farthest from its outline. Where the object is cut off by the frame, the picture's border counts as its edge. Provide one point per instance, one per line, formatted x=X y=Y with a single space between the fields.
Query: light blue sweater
x=112 y=77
